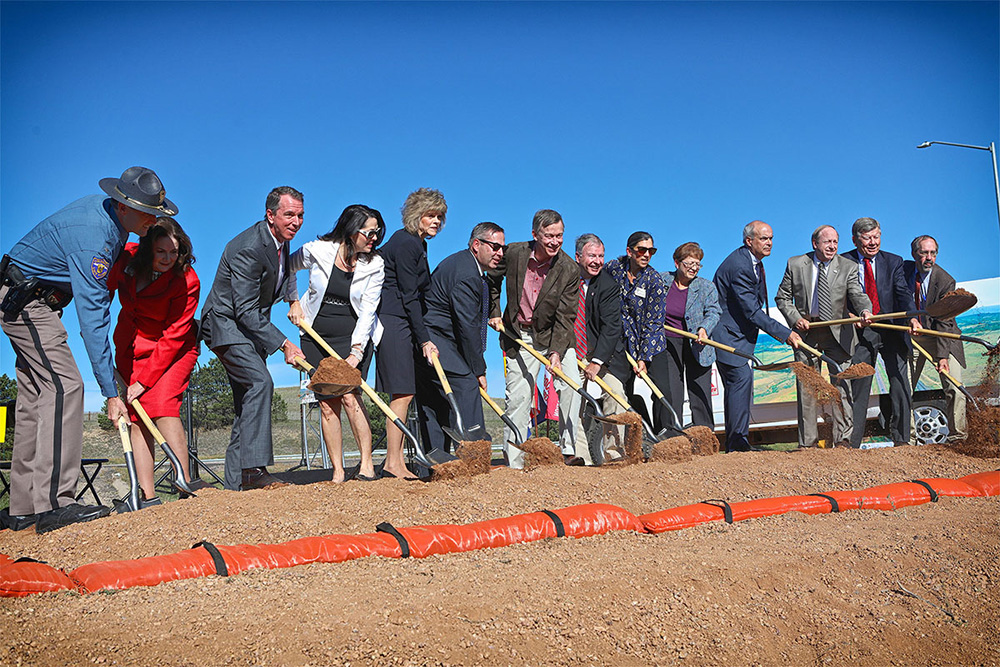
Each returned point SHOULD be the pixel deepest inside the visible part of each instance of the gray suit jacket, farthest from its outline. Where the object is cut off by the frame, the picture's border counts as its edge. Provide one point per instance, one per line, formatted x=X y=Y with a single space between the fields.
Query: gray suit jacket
x=702 y=312
x=238 y=308
x=795 y=294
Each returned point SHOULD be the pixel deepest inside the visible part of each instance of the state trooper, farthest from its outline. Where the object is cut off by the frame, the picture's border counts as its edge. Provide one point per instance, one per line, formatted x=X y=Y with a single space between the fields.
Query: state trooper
x=66 y=257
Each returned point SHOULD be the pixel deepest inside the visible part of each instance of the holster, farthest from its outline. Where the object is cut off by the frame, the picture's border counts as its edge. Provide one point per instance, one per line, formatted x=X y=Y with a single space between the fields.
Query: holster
x=24 y=290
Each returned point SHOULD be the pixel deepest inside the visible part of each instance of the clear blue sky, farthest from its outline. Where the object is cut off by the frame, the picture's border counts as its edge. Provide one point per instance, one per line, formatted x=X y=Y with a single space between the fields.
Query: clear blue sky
x=686 y=120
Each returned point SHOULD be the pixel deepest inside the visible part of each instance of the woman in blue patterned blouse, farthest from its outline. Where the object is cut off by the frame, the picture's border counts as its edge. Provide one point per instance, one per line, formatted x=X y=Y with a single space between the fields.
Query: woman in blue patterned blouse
x=644 y=302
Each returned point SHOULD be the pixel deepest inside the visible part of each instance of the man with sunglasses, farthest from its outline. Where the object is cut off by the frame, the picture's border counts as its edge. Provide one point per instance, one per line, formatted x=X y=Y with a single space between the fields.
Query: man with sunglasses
x=457 y=304
x=742 y=286
x=542 y=295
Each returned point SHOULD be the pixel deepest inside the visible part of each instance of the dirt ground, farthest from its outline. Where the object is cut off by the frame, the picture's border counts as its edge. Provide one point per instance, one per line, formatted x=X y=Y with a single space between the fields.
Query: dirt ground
x=918 y=586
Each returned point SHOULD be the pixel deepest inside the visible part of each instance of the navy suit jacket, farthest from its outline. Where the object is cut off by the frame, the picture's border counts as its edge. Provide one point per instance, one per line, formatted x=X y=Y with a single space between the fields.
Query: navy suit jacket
x=454 y=315
x=605 y=340
x=893 y=293
x=741 y=296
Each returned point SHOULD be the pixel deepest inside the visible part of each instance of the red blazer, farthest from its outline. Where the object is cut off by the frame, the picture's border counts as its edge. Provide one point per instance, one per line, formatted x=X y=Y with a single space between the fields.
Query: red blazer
x=157 y=324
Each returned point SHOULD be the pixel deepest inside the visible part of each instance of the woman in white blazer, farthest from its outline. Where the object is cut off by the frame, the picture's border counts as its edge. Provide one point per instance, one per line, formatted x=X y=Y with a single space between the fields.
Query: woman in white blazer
x=345 y=286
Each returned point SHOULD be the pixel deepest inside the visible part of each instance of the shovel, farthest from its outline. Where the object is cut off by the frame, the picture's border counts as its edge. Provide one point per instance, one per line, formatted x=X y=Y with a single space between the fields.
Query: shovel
x=426 y=459
x=781 y=365
x=712 y=343
x=946 y=307
x=503 y=416
x=459 y=434
x=676 y=426
x=133 y=503
x=919 y=348
x=941 y=334
x=179 y=482
x=555 y=371
x=653 y=438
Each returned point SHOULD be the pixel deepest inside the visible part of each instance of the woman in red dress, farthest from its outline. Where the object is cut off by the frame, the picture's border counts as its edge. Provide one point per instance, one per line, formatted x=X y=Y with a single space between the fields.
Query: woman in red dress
x=156 y=345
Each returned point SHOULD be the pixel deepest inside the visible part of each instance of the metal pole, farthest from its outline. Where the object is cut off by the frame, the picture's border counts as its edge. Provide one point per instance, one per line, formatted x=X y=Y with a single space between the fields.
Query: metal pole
x=996 y=177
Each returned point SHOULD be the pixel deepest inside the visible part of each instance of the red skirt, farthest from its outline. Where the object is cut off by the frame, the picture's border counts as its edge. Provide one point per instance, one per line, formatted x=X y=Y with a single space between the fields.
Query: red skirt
x=164 y=398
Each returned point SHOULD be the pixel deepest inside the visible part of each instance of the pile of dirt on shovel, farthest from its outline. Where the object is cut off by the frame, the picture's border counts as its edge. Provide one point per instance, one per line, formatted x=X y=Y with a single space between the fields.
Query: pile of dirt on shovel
x=856 y=371
x=983 y=422
x=705 y=442
x=334 y=377
x=540 y=452
x=633 y=437
x=810 y=379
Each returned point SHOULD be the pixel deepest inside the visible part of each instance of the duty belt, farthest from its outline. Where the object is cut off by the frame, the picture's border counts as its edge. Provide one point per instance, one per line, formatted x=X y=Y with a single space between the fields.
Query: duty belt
x=24 y=290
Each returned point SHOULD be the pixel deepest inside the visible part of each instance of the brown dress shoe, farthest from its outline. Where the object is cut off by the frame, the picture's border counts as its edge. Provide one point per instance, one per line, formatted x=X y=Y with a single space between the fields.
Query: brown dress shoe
x=259 y=478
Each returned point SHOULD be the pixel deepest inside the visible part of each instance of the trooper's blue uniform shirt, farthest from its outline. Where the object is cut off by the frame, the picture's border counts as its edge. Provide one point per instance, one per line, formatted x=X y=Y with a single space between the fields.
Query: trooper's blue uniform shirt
x=75 y=248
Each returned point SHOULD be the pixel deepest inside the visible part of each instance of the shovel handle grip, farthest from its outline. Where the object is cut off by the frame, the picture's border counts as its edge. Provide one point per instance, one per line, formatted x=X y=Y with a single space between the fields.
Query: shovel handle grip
x=604 y=386
x=645 y=377
x=123 y=433
x=440 y=373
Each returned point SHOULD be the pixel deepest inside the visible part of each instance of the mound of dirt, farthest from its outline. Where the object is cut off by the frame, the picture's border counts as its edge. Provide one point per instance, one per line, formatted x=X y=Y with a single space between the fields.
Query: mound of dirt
x=705 y=441
x=673 y=450
x=983 y=420
x=540 y=452
x=457 y=469
x=476 y=454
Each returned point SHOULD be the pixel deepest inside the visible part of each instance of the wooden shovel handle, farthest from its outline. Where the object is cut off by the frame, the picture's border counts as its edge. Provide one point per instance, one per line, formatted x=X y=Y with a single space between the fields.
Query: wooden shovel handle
x=541 y=357
x=923 y=332
x=440 y=373
x=649 y=382
x=712 y=343
x=607 y=390
x=927 y=354
x=490 y=402
x=123 y=433
x=856 y=319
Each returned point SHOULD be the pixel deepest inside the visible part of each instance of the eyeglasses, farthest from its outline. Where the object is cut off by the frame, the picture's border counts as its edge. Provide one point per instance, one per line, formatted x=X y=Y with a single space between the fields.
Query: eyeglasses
x=691 y=265
x=371 y=235
x=497 y=247
x=927 y=253
x=642 y=251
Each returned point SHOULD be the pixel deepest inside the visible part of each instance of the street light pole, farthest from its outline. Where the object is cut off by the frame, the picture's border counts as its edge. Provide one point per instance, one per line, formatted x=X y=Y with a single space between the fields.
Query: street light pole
x=993 y=152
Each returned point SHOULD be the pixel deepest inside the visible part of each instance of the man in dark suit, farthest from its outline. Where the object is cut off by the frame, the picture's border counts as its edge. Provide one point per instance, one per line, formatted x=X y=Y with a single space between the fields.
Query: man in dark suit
x=542 y=289
x=930 y=282
x=740 y=281
x=821 y=285
x=881 y=276
x=598 y=341
x=236 y=325
x=457 y=303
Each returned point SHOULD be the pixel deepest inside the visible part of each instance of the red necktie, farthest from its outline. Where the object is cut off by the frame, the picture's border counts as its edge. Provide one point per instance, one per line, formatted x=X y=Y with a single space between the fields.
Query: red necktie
x=580 y=325
x=871 y=289
x=917 y=292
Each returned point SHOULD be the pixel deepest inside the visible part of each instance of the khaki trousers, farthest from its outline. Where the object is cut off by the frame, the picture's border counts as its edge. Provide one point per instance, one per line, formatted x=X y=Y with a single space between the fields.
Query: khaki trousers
x=954 y=398
x=48 y=428
x=591 y=433
x=522 y=369
x=822 y=339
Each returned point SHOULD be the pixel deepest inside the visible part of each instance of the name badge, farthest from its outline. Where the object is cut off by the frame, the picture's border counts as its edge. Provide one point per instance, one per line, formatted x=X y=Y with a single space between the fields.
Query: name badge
x=641 y=292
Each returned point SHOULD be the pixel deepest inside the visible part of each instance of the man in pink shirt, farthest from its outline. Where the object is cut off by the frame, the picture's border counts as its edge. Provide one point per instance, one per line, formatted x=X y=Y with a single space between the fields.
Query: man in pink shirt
x=542 y=295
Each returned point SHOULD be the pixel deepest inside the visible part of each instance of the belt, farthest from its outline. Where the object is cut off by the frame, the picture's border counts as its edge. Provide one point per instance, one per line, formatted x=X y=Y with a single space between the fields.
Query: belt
x=335 y=301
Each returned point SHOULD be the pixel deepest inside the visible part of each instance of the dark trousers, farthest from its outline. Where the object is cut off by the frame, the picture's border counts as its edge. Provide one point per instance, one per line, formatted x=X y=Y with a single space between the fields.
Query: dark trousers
x=250 y=441
x=435 y=411
x=684 y=370
x=737 y=381
x=659 y=371
x=892 y=346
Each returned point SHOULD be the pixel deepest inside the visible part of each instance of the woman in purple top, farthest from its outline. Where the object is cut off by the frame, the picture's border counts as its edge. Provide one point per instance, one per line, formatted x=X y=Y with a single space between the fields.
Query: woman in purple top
x=692 y=305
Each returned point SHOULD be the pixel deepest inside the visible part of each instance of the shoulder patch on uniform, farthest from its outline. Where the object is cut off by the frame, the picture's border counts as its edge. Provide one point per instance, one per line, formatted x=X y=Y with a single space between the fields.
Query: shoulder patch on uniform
x=99 y=268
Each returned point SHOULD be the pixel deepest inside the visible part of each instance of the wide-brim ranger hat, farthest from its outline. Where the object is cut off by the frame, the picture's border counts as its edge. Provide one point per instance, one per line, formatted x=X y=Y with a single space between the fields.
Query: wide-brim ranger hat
x=141 y=189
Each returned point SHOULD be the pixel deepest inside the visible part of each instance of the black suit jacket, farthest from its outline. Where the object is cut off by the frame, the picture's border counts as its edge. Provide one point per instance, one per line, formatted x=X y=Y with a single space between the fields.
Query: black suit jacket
x=604 y=324
x=893 y=294
x=238 y=307
x=940 y=283
x=454 y=313
x=407 y=277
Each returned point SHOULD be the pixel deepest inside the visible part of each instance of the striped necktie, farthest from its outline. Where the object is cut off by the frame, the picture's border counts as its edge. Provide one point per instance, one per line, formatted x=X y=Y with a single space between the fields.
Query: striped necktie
x=580 y=325
x=823 y=302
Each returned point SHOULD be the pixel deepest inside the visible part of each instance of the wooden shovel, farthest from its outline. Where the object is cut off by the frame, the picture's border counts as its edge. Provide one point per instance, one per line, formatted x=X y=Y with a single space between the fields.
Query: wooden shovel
x=946 y=307
x=712 y=343
x=503 y=416
x=941 y=334
x=919 y=348
x=461 y=434
x=429 y=459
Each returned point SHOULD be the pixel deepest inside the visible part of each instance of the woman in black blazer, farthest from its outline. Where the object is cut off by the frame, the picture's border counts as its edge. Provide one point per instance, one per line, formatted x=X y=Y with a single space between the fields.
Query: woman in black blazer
x=405 y=342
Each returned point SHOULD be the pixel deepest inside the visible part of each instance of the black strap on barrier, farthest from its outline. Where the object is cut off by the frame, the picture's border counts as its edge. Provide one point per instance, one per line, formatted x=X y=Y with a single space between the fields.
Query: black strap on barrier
x=833 y=501
x=560 y=529
x=25 y=559
x=404 y=546
x=217 y=559
x=727 y=511
x=934 y=495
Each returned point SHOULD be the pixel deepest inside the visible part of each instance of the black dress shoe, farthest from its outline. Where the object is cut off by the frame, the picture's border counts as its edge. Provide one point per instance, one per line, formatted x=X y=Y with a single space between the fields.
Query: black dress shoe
x=66 y=516
x=16 y=522
x=258 y=478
